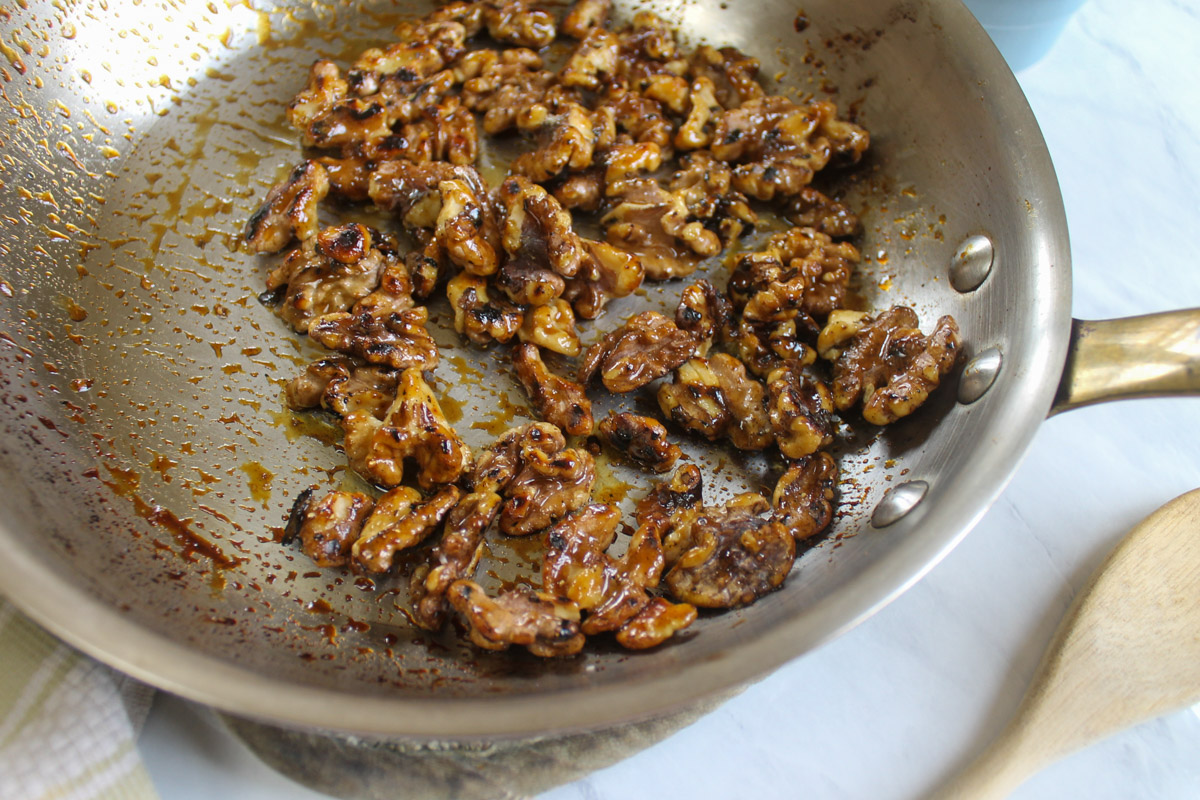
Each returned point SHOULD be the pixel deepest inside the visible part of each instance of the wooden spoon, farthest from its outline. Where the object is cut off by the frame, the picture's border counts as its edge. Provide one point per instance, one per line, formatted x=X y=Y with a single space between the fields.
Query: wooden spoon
x=1128 y=650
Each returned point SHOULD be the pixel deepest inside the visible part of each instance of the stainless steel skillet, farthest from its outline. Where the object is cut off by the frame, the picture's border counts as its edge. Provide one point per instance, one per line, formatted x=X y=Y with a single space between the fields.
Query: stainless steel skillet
x=145 y=455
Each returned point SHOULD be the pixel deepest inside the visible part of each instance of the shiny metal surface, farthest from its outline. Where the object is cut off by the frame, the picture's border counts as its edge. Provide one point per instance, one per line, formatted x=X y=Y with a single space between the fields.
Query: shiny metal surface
x=1117 y=359
x=979 y=374
x=972 y=263
x=146 y=457
x=898 y=502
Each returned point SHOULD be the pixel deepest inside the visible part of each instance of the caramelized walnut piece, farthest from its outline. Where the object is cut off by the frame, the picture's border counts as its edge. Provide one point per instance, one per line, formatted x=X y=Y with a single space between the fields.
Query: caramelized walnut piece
x=749 y=426
x=542 y=623
x=546 y=488
x=803 y=497
x=731 y=73
x=646 y=347
x=778 y=146
x=552 y=326
x=290 y=210
x=695 y=400
x=477 y=315
x=705 y=185
x=607 y=272
x=764 y=348
x=638 y=118
x=501 y=85
x=641 y=439
x=466 y=228
x=326 y=274
x=812 y=209
x=593 y=64
x=503 y=459
x=801 y=412
x=697 y=130
x=400 y=521
x=586 y=16
x=658 y=621
x=514 y=22
x=454 y=557
x=327 y=528
x=342 y=385
x=324 y=88
x=657 y=225
x=667 y=510
x=414 y=429
x=565 y=140
x=397 y=340
x=704 y=311
x=536 y=229
x=799 y=271
x=733 y=555
x=413 y=192
x=891 y=366
x=559 y=401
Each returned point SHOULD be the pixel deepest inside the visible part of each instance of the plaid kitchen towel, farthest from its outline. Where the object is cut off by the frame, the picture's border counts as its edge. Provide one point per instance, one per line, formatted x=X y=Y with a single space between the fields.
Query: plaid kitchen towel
x=68 y=725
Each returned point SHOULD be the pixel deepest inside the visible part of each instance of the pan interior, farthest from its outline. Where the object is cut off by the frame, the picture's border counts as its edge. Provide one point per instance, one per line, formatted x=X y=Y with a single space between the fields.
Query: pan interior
x=147 y=458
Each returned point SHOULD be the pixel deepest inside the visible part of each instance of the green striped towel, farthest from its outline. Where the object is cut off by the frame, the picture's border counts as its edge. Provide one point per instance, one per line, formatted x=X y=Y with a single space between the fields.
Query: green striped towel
x=68 y=725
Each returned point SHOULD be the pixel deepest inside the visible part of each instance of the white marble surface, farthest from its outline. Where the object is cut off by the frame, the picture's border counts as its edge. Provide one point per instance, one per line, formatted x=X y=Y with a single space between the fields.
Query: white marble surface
x=887 y=709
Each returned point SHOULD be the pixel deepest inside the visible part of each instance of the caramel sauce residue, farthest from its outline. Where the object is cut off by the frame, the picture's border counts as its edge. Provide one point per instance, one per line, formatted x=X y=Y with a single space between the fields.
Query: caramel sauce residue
x=260 y=481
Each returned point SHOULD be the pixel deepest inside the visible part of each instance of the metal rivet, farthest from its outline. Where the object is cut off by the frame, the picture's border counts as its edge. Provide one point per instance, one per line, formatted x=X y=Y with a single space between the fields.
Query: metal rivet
x=972 y=263
x=979 y=375
x=898 y=502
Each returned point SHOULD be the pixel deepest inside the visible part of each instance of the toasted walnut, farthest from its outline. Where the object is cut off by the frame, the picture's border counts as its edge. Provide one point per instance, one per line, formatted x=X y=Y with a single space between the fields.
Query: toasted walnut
x=467 y=229
x=733 y=556
x=536 y=229
x=891 y=366
x=586 y=16
x=546 y=488
x=706 y=189
x=557 y=400
x=327 y=528
x=341 y=385
x=500 y=463
x=425 y=268
x=625 y=163
x=764 y=348
x=646 y=347
x=594 y=62
x=749 y=426
x=400 y=521
x=704 y=311
x=641 y=439
x=582 y=190
x=467 y=14
x=290 y=210
x=732 y=74
x=542 y=623
x=454 y=557
x=607 y=272
x=649 y=36
x=349 y=178
x=394 y=295
x=415 y=429
x=329 y=273
x=514 y=22
x=551 y=326
x=779 y=146
x=653 y=222
x=325 y=87
x=444 y=131
x=658 y=621
x=812 y=209
x=577 y=568
x=840 y=328
x=803 y=498
x=501 y=86
x=801 y=411
x=413 y=191
x=800 y=270
x=529 y=285
x=697 y=130
x=695 y=401
x=565 y=140
x=640 y=118
x=397 y=340
x=667 y=511
x=477 y=315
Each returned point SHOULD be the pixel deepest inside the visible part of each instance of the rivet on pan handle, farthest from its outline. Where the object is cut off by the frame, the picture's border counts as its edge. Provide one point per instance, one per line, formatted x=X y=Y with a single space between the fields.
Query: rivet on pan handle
x=1147 y=356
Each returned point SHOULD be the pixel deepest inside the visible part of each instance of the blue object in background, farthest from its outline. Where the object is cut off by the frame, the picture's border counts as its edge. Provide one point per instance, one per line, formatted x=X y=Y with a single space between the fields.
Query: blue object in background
x=1023 y=30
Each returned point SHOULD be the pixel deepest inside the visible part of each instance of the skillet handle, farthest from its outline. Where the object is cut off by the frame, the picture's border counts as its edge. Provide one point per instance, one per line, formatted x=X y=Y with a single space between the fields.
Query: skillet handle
x=1115 y=359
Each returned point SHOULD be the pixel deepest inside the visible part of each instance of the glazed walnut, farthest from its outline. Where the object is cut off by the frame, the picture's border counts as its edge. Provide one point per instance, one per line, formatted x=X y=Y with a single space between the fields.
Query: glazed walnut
x=799 y=271
x=503 y=459
x=536 y=229
x=545 y=625
x=732 y=555
x=551 y=326
x=704 y=311
x=607 y=272
x=891 y=366
x=415 y=429
x=328 y=273
x=290 y=210
x=803 y=497
x=812 y=209
x=546 y=488
x=501 y=85
x=657 y=225
x=714 y=398
x=646 y=347
x=453 y=558
x=327 y=528
x=397 y=340
x=559 y=401
x=478 y=315
x=801 y=412
x=643 y=440
x=341 y=385
x=400 y=520
x=779 y=146
x=586 y=16
x=565 y=141
x=466 y=228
